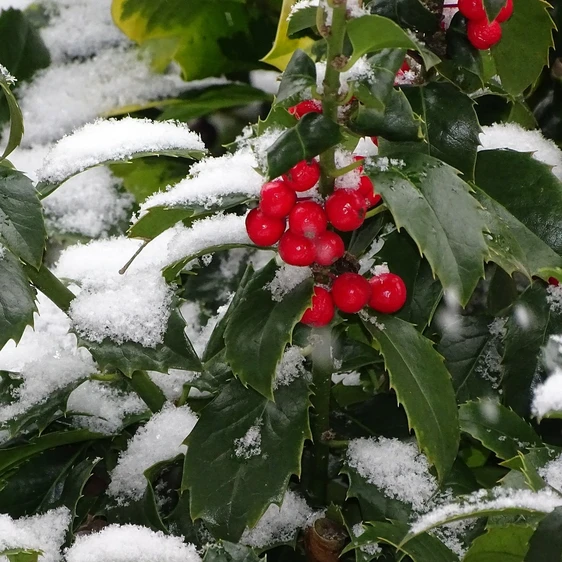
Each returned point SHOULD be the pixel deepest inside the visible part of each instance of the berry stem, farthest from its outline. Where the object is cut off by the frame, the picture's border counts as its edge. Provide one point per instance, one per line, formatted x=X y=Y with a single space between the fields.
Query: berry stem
x=50 y=286
x=320 y=418
x=374 y=212
x=330 y=98
x=148 y=391
x=338 y=172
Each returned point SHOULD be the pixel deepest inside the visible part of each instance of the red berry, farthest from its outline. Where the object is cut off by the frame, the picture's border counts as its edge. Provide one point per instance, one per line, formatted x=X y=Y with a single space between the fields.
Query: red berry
x=389 y=293
x=262 y=229
x=367 y=190
x=277 y=199
x=482 y=34
x=304 y=107
x=472 y=9
x=296 y=250
x=405 y=66
x=329 y=248
x=303 y=176
x=321 y=311
x=375 y=140
x=346 y=209
x=351 y=292
x=359 y=159
x=505 y=12
x=308 y=219
x=553 y=281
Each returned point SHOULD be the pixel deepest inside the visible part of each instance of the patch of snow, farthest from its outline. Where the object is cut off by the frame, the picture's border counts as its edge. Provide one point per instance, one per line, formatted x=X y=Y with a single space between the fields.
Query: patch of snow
x=280 y=524
x=352 y=378
x=104 y=407
x=514 y=137
x=249 y=445
x=547 y=397
x=266 y=80
x=45 y=533
x=6 y=76
x=397 y=468
x=287 y=277
x=112 y=140
x=130 y=543
x=171 y=383
x=160 y=439
x=552 y=473
x=290 y=367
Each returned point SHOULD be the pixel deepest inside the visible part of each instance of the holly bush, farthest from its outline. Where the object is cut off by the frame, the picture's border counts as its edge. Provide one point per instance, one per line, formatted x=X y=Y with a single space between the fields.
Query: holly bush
x=383 y=384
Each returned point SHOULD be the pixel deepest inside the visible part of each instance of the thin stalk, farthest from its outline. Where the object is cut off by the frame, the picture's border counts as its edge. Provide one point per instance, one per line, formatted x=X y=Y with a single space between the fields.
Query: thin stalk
x=147 y=391
x=376 y=211
x=50 y=286
x=322 y=367
x=330 y=97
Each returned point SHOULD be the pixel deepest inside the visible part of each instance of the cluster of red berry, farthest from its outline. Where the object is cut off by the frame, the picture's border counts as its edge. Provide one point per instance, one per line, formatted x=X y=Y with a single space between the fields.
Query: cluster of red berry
x=308 y=241
x=481 y=32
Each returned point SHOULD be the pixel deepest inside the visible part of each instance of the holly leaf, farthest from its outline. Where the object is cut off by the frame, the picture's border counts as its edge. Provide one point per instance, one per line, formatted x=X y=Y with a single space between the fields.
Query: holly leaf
x=312 y=135
x=408 y=13
x=530 y=324
x=498 y=428
x=158 y=219
x=532 y=26
x=492 y=8
x=260 y=328
x=17 y=300
x=423 y=387
x=508 y=544
x=299 y=75
x=423 y=548
x=22 y=228
x=301 y=20
x=545 y=544
x=175 y=352
x=369 y=34
x=449 y=124
x=428 y=199
x=229 y=552
x=467 y=346
x=231 y=491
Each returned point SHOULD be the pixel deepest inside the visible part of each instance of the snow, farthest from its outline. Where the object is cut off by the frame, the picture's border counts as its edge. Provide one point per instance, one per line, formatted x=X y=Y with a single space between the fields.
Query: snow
x=280 y=524
x=47 y=359
x=210 y=181
x=552 y=473
x=64 y=97
x=130 y=543
x=351 y=378
x=514 y=137
x=218 y=230
x=350 y=180
x=302 y=5
x=370 y=549
x=547 y=397
x=397 y=468
x=290 y=368
x=249 y=445
x=6 y=76
x=45 y=533
x=104 y=407
x=366 y=147
x=80 y=28
x=554 y=298
x=287 y=277
x=543 y=501
x=16 y=4
x=266 y=80
x=159 y=440
x=171 y=383
x=361 y=70
x=114 y=140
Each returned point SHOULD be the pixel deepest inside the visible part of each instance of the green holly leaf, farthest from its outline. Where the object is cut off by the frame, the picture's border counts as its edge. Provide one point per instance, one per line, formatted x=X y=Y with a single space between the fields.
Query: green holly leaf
x=26 y=555
x=423 y=387
x=226 y=551
x=532 y=26
x=374 y=91
x=300 y=75
x=449 y=124
x=312 y=135
x=175 y=352
x=467 y=345
x=492 y=8
x=545 y=544
x=231 y=492
x=407 y=13
x=260 y=328
x=526 y=188
x=498 y=428
x=302 y=20
x=396 y=123
x=428 y=199
x=369 y=34
x=423 y=548
x=530 y=324
x=158 y=219
x=22 y=228
x=17 y=300
x=508 y=544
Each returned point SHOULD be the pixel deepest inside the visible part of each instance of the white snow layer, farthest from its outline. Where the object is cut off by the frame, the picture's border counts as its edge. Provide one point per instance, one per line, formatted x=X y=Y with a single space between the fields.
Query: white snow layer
x=160 y=439
x=130 y=543
x=114 y=140
x=45 y=533
x=280 y=524
x=547 y=398
x=397 y=468
x=514 y=137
